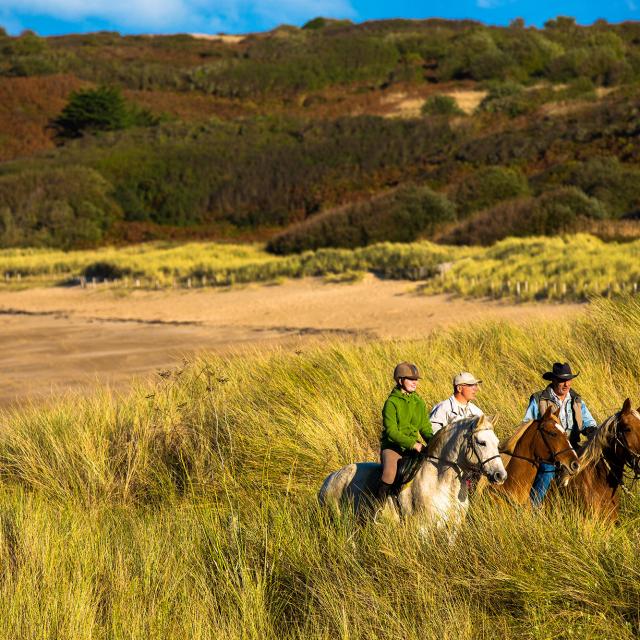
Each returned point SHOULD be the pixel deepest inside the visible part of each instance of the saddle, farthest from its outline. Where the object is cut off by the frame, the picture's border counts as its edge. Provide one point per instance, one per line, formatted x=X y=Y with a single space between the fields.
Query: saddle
x=408 y=467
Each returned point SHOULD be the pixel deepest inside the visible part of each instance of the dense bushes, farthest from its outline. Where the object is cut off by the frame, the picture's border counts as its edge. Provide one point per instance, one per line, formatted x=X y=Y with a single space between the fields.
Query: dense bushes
x=61 y=207
x=604 y=178
x=556 y=211
x=486 y=187
x=328 y=52
x=401 y=216
x=260 y=172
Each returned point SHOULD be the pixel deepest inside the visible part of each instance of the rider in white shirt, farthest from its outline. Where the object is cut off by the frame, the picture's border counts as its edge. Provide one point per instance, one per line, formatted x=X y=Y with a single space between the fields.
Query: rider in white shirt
x=459 y=405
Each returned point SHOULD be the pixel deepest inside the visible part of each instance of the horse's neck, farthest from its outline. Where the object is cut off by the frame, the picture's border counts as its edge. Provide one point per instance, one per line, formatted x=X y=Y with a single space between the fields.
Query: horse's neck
x=608 y=470
x=446 y=457
x=520 y=472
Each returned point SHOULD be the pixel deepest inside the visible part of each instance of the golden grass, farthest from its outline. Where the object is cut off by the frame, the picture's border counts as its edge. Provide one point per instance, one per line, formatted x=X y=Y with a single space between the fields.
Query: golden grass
x=560 y=268
x=188 y=510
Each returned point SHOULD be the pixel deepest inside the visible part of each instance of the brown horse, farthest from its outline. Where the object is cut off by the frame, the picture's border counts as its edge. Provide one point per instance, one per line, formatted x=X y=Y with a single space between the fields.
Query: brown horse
x=614 y=446
x=542 y=440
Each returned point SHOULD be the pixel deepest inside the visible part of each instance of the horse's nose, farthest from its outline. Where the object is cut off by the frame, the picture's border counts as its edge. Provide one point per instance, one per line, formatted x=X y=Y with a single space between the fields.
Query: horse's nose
x=499 y=477
x=574 y=466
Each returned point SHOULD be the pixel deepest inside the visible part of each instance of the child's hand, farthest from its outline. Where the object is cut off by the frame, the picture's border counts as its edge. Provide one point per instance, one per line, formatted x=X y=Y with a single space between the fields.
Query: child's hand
x=418 y=447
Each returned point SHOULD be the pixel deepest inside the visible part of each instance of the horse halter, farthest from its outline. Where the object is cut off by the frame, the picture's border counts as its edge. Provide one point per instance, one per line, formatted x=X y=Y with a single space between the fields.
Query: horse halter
x=536 y=462
x=632 y=459
x=471 y=445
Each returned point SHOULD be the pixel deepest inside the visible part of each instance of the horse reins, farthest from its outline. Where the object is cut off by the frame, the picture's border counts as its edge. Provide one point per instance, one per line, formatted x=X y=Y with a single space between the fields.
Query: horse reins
x=470 y=446
x=536 y=462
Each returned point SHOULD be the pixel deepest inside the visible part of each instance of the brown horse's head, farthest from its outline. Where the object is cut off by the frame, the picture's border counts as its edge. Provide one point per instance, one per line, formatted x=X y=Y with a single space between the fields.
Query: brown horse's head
x=552 y=445
x=627 y=436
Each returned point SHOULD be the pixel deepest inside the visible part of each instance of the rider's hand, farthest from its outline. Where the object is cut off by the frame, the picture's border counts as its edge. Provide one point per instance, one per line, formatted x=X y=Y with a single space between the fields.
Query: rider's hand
x=418 y=447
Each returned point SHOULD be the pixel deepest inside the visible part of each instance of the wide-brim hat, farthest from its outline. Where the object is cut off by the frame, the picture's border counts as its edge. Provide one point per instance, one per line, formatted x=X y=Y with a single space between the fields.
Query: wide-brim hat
x=560 y=371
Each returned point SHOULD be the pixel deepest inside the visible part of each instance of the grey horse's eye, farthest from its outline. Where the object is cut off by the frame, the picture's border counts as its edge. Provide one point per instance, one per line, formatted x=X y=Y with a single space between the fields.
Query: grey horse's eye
x=481 y=443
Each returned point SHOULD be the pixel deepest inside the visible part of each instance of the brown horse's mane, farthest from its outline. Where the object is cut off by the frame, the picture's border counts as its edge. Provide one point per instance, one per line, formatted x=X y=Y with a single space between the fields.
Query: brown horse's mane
x=600 y=439
x=592 y=451
x=509 y=445
x=594 y=448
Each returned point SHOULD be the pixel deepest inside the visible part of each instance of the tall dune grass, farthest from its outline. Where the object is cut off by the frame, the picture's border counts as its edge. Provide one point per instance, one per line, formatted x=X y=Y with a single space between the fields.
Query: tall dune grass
x=220 y=264
x=187 y=509
x=562 y=268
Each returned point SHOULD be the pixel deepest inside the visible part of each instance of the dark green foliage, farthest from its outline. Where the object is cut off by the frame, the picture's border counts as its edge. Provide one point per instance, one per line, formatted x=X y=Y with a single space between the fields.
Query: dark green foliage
x=27 y=55
x=323 y=23
x=60 y=207
x=262 y=172
x=101 y=109
x=299 y=62
x=604 y=178
x=327 y=51
x=441 y=105
x=509 y=98
x=557 y=211
x=474 y=55
x=401 y=216
x=487 y=187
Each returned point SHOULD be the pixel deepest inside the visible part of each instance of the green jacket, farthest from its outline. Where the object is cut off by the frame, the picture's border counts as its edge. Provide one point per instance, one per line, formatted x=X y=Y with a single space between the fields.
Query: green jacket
x=404 y=415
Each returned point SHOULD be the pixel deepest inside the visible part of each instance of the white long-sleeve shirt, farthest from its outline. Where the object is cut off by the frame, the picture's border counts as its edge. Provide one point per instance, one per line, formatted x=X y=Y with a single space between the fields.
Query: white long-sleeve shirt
x=450 y=410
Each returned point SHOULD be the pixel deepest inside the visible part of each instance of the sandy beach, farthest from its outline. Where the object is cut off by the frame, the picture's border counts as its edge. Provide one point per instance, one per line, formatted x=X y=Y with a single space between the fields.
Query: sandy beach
x=68 y=339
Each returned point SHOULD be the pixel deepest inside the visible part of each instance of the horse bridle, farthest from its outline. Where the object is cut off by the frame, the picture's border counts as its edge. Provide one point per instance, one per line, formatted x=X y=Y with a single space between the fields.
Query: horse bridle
x=620 y=438
x=471 y=445
x=536 y=462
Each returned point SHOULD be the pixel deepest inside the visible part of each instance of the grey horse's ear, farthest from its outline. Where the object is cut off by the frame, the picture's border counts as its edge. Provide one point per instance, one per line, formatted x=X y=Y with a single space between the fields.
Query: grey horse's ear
x=494 y=418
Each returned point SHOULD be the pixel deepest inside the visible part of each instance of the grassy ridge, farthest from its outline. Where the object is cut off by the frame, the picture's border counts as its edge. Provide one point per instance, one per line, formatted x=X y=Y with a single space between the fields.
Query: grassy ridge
x=189 y=511
x=221 y=263
x=560 y=268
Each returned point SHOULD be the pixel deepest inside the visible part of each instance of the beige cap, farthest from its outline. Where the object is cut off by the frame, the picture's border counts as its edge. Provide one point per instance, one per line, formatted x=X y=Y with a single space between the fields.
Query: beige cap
x=464 y=377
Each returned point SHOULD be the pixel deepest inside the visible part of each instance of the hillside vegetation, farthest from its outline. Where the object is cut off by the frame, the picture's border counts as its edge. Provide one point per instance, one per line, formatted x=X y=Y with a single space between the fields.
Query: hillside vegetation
x=188 y=509
x=289 y=134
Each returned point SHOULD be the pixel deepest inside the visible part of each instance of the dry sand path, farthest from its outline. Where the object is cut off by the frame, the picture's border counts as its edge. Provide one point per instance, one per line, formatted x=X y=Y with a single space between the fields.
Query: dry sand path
x=58 y=339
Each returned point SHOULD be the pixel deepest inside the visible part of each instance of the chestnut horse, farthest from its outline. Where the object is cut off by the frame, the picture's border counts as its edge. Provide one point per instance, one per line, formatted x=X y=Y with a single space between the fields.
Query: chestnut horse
x=613 y=447
x=534 y=442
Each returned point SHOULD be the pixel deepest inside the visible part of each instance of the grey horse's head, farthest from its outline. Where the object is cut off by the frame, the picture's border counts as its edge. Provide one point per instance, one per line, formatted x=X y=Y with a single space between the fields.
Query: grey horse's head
x=480 y=453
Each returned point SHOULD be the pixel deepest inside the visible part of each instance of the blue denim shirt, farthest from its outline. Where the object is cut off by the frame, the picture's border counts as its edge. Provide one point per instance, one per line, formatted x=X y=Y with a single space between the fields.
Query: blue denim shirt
x=566 y=414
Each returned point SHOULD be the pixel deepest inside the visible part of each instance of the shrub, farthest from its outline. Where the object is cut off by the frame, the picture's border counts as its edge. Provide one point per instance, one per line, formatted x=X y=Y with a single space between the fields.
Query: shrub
x=553 y=212
x=604 y=178
x=402 y=216
x=101 y=109
x=441 y=105
x=487 y=187
x=507 y=97
x=62 y=207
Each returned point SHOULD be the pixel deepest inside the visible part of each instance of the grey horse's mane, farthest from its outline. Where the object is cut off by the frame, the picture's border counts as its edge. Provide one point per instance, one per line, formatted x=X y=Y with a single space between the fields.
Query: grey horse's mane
x=473 y=423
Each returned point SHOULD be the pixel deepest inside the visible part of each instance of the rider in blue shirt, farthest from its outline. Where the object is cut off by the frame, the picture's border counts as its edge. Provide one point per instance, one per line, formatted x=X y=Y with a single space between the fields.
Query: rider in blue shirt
x=574 y=417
